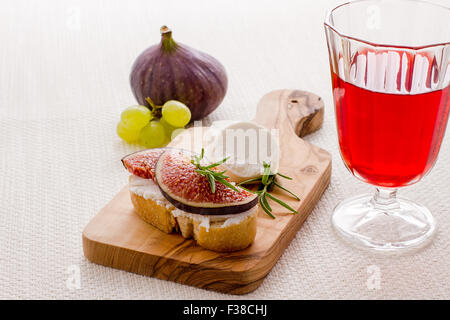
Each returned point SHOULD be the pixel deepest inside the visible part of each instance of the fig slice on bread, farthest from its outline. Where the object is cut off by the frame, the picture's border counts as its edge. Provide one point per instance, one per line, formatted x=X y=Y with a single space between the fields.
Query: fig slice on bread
x=223 y=221
x=142 y=163
x=190 y=191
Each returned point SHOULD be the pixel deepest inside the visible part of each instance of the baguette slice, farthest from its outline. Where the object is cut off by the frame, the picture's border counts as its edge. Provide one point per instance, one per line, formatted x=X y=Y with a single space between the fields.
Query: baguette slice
x=218 y=233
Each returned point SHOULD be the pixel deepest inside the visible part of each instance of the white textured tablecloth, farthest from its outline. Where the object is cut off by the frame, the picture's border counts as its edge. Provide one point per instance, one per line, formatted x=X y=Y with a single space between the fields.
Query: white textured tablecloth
x=64 y=68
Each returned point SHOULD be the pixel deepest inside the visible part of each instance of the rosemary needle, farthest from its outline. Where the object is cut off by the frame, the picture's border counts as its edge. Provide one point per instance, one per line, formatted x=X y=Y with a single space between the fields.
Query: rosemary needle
x=283 y=188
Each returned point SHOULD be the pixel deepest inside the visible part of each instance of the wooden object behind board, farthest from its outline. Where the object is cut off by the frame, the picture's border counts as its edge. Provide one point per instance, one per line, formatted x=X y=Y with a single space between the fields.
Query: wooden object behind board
x=116 y=237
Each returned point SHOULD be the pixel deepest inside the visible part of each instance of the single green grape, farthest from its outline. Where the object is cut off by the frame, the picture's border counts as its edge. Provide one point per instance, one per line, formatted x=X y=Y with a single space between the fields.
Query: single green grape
x=152 y=135
x=136 y=117
x=126 y=133
x=176 y=113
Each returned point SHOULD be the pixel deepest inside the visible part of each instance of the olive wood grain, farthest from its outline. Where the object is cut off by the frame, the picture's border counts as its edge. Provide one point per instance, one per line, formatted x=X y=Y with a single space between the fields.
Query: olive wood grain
x=116 y=237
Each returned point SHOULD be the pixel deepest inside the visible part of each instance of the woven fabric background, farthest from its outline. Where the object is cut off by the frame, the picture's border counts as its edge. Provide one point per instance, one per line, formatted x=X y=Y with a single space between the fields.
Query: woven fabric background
x=64 y=68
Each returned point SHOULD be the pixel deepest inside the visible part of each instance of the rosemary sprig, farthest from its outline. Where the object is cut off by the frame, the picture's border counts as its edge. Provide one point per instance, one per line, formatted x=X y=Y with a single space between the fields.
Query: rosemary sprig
x=212 y=175
x=266 y=183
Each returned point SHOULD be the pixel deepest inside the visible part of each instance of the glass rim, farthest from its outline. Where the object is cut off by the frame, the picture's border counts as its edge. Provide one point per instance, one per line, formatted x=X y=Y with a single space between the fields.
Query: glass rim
x=328 y=24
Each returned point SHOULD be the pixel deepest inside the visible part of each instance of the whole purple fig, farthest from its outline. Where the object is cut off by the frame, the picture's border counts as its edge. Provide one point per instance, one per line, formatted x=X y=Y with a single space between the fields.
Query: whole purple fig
x=174 y=71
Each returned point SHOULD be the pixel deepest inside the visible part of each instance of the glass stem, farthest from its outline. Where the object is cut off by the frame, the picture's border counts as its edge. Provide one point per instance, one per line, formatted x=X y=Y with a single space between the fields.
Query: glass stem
x=385 y=199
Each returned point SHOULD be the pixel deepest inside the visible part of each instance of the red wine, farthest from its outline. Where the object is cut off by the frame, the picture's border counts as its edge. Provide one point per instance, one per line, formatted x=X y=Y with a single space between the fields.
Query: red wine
x=388 y=139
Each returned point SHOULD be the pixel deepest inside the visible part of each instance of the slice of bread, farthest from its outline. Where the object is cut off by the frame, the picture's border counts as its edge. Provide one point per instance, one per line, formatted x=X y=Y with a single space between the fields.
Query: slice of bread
x=218 y=233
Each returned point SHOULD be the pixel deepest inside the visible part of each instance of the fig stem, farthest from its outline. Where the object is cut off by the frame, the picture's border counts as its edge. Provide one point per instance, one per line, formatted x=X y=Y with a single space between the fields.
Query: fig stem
x=167 y=41
x=165 y=29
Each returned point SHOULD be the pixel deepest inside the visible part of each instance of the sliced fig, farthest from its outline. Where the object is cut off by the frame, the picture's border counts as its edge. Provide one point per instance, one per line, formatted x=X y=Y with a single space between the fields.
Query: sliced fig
x=142 y=163
x=190 y=191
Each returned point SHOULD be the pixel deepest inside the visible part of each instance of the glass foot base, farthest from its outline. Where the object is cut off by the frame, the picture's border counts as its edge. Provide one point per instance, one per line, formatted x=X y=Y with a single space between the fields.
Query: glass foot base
x=391 y=227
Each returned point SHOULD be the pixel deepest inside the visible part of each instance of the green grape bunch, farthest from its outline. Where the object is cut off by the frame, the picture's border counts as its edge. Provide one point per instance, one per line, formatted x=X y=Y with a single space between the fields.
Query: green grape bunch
x=153 y=126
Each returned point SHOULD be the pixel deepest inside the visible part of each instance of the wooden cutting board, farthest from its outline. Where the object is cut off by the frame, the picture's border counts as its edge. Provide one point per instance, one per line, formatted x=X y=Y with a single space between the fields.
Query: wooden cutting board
x=116 y=237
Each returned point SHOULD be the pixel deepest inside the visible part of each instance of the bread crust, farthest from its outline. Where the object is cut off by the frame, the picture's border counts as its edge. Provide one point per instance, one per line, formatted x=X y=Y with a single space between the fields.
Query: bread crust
x=154 y=214
x=216 y=236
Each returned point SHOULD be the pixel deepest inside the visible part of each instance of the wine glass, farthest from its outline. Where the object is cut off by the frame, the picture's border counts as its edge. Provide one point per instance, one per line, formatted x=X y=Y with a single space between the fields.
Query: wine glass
x=390 y=70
